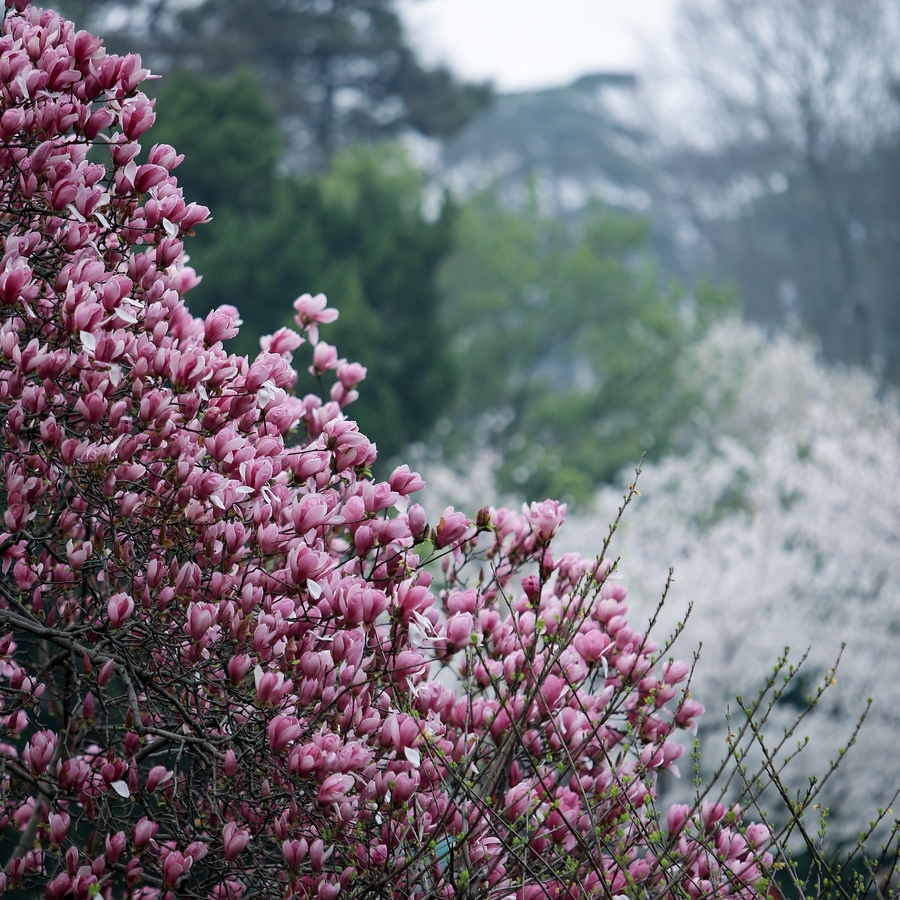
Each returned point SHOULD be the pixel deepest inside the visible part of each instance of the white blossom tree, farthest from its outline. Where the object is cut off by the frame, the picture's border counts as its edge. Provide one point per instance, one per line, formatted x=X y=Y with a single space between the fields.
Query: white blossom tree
x=783 y=528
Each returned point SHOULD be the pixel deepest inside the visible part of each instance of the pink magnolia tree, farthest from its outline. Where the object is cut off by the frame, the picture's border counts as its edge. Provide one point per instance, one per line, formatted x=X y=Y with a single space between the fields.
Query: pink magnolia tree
x=234 y=664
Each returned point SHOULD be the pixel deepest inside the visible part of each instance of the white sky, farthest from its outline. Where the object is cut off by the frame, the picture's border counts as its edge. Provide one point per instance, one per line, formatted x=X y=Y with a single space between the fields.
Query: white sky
x=522 y=44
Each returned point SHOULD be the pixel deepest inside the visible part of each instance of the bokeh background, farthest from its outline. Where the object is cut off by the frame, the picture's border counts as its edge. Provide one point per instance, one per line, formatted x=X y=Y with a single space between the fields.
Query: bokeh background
x=565 y=236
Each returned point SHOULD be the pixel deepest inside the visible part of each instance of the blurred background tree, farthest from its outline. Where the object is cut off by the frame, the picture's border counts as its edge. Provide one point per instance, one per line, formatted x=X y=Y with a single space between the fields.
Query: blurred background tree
x=789 y=169
x=336 y=72
x=567 y=346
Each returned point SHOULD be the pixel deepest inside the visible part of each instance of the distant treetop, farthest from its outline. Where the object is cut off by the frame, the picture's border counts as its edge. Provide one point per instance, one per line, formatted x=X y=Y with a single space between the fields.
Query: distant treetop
x=336 y=71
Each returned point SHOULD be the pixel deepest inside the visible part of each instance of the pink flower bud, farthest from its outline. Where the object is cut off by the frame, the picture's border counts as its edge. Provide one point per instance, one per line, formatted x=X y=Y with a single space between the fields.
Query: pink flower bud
x=238 y=667
x=295 y=853
x=327 y=890
x=144 y=831
x=675 y=672
x=417 y=520
x=405 y=785
x=115 y=844
x=158 y=775
x=334 y=789
x=59 y=827
x=106 y=673
x=363 y=540
x=317 y=854
x=282 y=731
x=711 y=813
x=39 y=751
x=200 y=617
x=174 y=867
x=120 y=607
x=688 y=713
x=133 y=869
x=60 y=887
x=234 y=840
x=459 y=631
x=519 y=800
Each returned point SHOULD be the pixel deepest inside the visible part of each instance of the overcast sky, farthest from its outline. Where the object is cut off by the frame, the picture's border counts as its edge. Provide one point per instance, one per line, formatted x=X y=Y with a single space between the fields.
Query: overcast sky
x=522 y=44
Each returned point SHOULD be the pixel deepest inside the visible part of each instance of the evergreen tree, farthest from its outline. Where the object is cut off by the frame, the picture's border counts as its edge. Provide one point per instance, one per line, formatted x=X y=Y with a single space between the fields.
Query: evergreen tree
x=567 y=346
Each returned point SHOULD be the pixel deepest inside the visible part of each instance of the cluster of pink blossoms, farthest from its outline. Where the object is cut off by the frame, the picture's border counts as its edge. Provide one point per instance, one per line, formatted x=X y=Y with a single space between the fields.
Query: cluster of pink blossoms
x=227 y=668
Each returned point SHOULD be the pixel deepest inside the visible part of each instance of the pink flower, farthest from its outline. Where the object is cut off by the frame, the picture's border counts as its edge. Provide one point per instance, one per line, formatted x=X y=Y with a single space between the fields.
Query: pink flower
x=174 y=867
x=238 y=667
x=312 y=312
x=283 y=342
x=271 y=687
x=405 y=482
x=295 y=853
x=675 y=672
x=234 y=839
x=75 y=554
x=351 y=374
x=452 y=528
x=200 y=618
x=519 y=800
x=334 y=789
x=165 y=156
x=318 y=855
x=107 y=670
x=593 y=645
x=325 y=358
x=310 y=512
x=405 y=786
x=59 y=827
x=417 y=519
x=115 y=845
x=688 y=713
x=120 y=608
x=545 y=518
x=221 y=324
x=39 y=751
x=158 y=775
x=144 y=831
x=282 y=731
x=60 y=887
x=137 y=116
x=459 y=631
